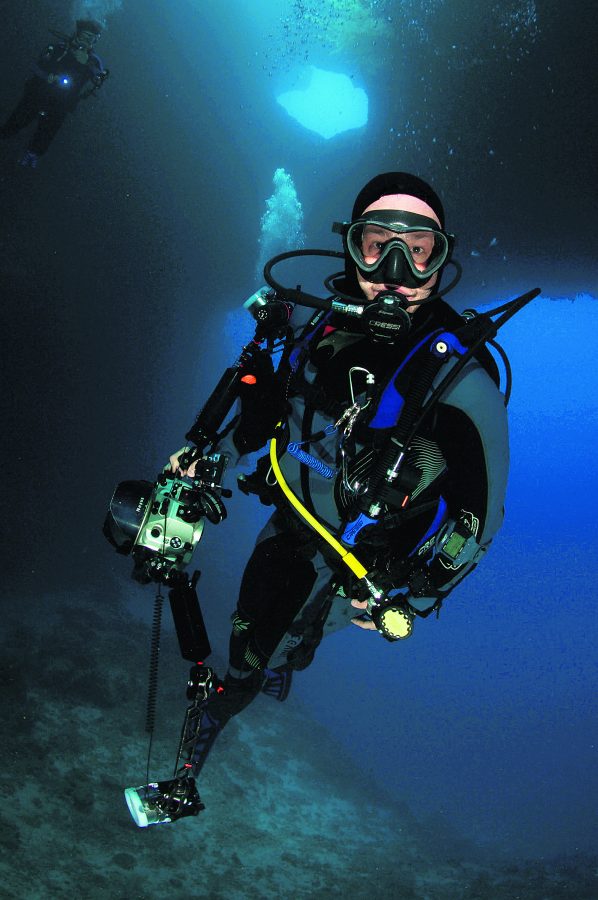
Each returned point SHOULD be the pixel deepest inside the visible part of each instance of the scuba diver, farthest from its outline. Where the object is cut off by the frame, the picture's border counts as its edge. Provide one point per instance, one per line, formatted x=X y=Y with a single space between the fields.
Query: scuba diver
x=66 y=72
x=416 y=492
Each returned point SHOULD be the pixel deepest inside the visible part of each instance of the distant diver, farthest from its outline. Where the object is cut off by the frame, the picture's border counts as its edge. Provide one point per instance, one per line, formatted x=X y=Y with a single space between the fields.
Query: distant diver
x=67 y=71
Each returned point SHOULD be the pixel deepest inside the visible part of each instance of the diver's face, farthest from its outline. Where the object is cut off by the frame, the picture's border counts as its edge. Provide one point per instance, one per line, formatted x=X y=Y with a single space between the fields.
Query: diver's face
x=85 y=39
x=420 y=246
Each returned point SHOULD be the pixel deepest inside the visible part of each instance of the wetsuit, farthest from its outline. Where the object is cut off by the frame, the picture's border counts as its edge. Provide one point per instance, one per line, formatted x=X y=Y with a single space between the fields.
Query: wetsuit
x=458 y=465
x=295 y=589
x=51 y=101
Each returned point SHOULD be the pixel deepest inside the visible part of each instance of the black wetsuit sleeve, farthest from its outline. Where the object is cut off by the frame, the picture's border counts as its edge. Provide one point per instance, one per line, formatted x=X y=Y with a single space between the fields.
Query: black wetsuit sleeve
x=465 y=485
x=95 y=66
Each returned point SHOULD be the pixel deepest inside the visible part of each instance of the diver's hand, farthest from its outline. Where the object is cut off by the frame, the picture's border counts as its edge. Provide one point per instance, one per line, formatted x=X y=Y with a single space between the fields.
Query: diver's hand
x=175 y=463
x=362 y=623
x=52 y=78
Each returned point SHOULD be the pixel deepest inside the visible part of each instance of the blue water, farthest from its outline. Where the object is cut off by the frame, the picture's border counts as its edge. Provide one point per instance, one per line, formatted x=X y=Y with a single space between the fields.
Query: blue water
x=127 y=256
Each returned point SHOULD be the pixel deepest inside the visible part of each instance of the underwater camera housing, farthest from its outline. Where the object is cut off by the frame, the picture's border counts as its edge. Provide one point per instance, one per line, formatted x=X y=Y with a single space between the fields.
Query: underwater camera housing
x=161 y=524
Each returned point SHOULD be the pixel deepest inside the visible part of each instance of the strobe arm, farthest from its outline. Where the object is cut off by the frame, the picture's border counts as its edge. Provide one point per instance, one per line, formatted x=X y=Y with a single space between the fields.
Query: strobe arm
x=200 y=685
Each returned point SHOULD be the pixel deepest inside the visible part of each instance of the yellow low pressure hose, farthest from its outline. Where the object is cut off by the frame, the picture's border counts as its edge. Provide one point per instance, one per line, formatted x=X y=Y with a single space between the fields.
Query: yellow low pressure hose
x=395 y=622
x=351 y=561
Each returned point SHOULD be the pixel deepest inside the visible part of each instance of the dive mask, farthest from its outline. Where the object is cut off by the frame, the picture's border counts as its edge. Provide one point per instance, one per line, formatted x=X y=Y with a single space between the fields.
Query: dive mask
x=84 y=40
x=397 y=247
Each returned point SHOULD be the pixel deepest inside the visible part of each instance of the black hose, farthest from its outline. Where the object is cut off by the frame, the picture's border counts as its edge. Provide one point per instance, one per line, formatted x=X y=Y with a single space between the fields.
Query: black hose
x=486 y=333
x=296 y=295
x=508 y=372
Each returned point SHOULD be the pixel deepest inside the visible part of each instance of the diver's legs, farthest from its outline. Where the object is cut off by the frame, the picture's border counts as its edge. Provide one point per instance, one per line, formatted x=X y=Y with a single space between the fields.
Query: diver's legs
x=48 y=125
x=277 y=580
x=275 y=584
x=21 y=116
x=24 y=112
x=234 y=696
